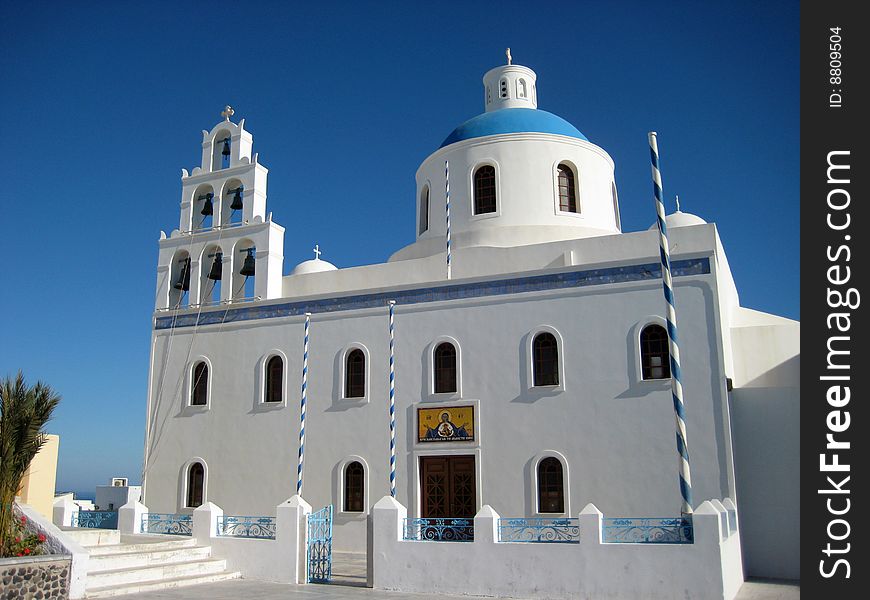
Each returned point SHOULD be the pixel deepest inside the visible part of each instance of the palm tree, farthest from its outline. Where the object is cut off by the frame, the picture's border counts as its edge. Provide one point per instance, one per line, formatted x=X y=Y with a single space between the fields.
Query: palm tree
x=24 y=411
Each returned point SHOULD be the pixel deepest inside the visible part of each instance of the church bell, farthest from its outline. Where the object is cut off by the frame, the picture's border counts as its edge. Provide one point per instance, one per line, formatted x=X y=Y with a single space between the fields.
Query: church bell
x=217 y=267
x=183 y=282
x=237 y=200
x=226 y=150
x=207 y=208
x=250 y=264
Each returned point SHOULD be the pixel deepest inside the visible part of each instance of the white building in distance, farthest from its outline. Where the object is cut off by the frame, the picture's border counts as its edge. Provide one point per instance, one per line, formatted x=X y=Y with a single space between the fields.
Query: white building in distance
x=533 y=375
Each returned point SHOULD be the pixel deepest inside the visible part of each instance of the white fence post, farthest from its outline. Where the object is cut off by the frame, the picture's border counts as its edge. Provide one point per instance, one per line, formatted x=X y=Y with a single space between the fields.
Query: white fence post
x=205 y=522
x=723 y=517
x=291 y=534
x=707 y=524
x=130 y=517
x=486 y=525
x=590 y=525
x=388 y=518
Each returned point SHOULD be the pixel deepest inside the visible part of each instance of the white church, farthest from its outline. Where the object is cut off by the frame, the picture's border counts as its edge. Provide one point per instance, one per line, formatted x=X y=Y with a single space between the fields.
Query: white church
x=529 y=351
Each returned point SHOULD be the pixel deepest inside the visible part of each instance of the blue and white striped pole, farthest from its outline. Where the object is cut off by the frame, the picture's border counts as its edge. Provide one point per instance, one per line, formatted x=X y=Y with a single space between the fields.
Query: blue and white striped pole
x=447 y=194
x=392 y=402
x=673 y=346
x=302 y=409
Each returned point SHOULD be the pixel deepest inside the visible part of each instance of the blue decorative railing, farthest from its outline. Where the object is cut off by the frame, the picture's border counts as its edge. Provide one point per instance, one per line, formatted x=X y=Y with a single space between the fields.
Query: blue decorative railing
x=262 y=528
x=439 y=530
x=648 y=531
x=546 y=531
x=95 y=519
x=170 y=524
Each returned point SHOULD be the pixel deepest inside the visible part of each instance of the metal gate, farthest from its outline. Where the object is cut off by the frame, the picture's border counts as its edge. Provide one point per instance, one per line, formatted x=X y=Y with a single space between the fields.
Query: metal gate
x=319 y=560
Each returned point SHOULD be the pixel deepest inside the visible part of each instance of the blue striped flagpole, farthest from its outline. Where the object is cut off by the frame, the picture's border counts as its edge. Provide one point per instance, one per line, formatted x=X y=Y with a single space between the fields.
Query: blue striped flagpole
x=447 y=194
x=302 y=409
x=673 y=346
x=392 y=402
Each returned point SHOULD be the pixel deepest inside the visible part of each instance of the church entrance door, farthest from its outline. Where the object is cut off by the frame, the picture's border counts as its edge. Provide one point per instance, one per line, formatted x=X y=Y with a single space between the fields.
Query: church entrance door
x=447 y=487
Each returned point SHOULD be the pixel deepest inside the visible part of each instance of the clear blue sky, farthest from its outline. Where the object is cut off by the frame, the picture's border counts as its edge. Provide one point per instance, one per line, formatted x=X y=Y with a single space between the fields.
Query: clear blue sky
x=102 y=105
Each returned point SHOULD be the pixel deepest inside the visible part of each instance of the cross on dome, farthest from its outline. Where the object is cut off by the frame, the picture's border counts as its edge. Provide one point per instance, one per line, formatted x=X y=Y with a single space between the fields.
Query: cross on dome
x=227 y=112
x=508 y=54
x=678 y=202
x=317 y=252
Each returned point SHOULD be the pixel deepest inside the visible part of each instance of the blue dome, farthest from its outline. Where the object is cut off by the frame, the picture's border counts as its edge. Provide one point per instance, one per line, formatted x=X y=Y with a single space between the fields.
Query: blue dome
x=512 y=120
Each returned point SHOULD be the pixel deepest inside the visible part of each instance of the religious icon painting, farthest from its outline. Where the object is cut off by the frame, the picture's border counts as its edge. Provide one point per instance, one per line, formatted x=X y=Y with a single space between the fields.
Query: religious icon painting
x=454 y=424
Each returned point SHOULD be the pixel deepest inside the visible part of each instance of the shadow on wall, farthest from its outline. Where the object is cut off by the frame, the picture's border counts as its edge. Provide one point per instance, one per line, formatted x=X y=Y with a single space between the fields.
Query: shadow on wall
x=766 y=429
x=786 y=373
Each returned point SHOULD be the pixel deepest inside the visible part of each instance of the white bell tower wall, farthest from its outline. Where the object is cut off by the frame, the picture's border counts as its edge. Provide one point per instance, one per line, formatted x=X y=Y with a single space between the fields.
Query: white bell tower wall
x=229 y=231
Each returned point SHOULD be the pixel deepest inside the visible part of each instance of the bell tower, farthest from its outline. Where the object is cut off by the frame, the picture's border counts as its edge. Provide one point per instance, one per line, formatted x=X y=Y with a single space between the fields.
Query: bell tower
x=226 y=248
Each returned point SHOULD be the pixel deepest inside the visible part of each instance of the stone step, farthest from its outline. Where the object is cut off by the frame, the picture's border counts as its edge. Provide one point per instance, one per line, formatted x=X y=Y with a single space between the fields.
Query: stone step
x=147 y=586
x=94 y=537
x=172 y=570
x=126 y=547
x=144 y=557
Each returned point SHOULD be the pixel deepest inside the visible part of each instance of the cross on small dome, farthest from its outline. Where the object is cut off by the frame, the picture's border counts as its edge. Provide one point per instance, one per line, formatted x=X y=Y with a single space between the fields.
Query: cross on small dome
x=508 y=54
x=317 y=252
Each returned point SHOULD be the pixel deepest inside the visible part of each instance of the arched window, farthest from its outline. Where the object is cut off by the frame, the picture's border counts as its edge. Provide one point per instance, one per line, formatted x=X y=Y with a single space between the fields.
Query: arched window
x=195 y=483
x=521 y=88
x=567 y=189
x=221 y=150
x=424 y=210
x=355 y=374
x=654 y=354
x=484 y=190
x=445 y=368
x=503 y=88
x=545 y=357
x=203 y=208
x=199 y=385
x=179 y=271
x=274 y=380
x=354 y=487
x=551 y=488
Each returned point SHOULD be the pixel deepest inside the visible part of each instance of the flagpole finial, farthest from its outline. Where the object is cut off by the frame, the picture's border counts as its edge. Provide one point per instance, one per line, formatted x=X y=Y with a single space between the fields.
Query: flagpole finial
x=508 y=54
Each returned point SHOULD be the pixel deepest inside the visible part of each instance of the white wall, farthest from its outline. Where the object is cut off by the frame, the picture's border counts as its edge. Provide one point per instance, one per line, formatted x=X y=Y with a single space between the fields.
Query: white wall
x=616 y=431
x=710 y=568
x=766 y=415
x=110 y=497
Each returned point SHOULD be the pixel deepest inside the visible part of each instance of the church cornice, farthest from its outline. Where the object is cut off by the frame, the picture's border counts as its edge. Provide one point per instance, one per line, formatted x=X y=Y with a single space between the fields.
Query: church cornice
x=455 y=291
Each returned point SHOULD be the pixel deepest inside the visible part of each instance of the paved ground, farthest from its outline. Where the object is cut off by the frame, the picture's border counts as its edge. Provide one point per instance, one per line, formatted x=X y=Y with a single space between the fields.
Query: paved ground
x=243 y=589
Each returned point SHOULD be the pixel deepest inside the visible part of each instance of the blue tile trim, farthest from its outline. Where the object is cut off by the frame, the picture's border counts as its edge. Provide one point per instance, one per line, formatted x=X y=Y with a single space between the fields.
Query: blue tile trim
x=459 y=291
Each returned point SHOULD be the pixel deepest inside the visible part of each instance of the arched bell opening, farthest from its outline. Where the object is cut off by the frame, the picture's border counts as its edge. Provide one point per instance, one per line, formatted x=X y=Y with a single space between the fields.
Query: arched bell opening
x=203 y=203
x=244 y=269
x=232 y=202
x=179 y=277
x=221 y=150
x=211 y=274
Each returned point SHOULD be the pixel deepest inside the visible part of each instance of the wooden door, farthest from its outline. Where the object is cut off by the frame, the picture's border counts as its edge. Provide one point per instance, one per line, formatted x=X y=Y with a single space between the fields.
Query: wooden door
x=448 y=487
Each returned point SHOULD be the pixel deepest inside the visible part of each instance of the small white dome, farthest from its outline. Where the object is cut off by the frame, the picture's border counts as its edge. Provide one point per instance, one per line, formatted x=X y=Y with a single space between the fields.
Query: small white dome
x=680 y=219
x=315 y=265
